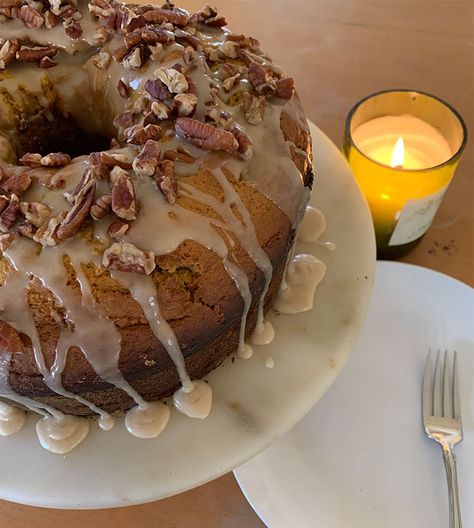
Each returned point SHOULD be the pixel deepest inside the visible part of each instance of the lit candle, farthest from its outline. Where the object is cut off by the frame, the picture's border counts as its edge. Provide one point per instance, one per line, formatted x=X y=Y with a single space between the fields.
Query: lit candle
x=403 y=147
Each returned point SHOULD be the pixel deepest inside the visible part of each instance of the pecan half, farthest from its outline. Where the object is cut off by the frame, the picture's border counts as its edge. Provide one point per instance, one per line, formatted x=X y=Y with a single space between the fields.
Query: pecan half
x=177 y=17
x=110 y=160
x=254 y=108
x=36 y=53
x=127 y=257
x=205 y=136
x=245 y=145
x=56 y=159
x=102 y=207
x=227 y=70
x=31 y=159
x=10 y=339
x=123 y=194
x=16 y=183
x=35 y=213
x=117 y=228
x=46 y=63
x=285 y=88
x=185 y=38
x=8 y=52
x=147 y=160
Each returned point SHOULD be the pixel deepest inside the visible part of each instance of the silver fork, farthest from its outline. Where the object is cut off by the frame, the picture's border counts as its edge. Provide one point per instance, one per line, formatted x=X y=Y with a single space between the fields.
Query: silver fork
x=442 y=420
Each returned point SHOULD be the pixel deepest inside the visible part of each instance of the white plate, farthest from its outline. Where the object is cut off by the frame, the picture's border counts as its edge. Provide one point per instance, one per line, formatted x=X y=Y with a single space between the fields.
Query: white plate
x=252 y=404
x=360 y=458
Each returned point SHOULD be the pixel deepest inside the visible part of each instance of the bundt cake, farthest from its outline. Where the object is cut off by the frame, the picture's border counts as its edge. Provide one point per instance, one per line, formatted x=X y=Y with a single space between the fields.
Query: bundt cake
x=154 y=169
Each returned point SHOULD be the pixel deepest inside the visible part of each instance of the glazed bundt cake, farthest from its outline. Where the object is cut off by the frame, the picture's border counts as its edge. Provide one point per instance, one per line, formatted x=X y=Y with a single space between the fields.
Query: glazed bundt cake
x=154 y=169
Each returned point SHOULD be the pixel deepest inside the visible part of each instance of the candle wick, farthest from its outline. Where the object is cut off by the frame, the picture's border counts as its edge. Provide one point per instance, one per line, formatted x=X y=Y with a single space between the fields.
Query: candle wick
x=398 y=167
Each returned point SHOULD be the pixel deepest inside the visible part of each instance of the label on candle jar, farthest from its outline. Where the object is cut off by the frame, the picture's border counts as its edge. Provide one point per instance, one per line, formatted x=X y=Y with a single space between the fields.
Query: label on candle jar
x=415 y=218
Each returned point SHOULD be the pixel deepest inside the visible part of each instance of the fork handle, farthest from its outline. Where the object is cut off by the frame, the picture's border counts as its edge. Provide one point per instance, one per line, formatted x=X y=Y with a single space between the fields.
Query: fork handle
x=453 y=489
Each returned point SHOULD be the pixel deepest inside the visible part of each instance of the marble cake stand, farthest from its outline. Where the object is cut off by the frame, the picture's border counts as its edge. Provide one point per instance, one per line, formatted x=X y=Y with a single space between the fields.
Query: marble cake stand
x=253 y=404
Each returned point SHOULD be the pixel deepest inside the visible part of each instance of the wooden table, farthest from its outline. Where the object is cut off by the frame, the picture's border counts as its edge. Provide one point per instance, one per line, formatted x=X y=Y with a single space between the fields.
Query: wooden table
x=338 y=52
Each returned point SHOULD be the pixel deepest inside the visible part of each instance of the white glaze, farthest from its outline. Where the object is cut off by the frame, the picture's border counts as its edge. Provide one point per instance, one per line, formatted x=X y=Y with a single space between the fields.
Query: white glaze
x=269 y=362
x=246 y=352
x=303 y=275
x=62 y=436
x=195 y=404
x=313 y=227
x=263 y=334
x=12 y=419
x=148 y=421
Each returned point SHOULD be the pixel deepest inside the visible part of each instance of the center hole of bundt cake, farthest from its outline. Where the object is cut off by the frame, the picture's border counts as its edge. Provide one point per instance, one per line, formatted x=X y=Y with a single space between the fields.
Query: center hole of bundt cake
x=56 y=133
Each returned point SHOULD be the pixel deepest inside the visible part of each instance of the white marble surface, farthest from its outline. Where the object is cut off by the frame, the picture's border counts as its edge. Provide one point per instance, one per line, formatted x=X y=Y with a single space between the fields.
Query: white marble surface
x=253 y=404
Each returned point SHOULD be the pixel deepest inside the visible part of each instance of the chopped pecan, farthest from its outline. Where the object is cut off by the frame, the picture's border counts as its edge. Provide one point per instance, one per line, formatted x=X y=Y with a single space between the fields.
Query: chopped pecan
x=36 y=53
x=101 y=8
x=166 y=180
x=189 y=55
x=244 y=42
x=101 y=207
x=231 y=82
x=139 y=135
x=16 y=184
x=127 y=257
x=208 y=15
x=230 y=49
x=185 y=104
x=10 y=339
x=10 y=214
x=220 y=119
x=155 y=51
x=261 y=80
x=120 y=53
x=8 y=52
x=50 y=19
x=79 y=212
x=30 y=17
x=56 y=159
x=179 y=155
x=123 y=194
x=27 y=230
x=102 y=35
x=212 y=54
x=46 y=234
x=123 y=121
x=123 y=89
x=149 y=118
x=177 y=17
x=117 y=228
x=73 y=30
x=6 y=240
x=110 y=159
x=205 y=136
x=157 y=89
x=101 y=60
x=254 y=108
x=147 y=160
x=185 y=38
x=11 y=3
x=285 y=88
x=133 y=60
x=174 y=80
x=31 y=160
x=245 y=145
x=35 y=213
x=46 y=63
x=161 y=111
x=4 y=201
x=227 y=70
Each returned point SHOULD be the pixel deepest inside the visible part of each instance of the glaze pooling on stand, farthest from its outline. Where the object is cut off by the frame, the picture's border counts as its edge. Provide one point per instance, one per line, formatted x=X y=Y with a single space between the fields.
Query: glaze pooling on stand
x=312 y=228
x=12 y=419
x=85 y=84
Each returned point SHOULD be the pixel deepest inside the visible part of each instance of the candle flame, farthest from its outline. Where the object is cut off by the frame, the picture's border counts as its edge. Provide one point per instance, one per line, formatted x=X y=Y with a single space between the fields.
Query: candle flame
x=398 y=155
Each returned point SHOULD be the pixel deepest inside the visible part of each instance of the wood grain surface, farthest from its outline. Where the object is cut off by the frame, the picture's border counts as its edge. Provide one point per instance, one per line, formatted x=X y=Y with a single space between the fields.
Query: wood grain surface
x=338 y=52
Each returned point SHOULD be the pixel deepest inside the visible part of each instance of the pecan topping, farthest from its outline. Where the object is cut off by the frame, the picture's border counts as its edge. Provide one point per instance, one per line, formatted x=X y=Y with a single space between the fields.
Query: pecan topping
x=205 y=136
x=11 y=3
x=227 y=70
x=16 y=183
x=179 y=155
x=10 y=340
x=102 y=35
x=30 y=17
x=184 y=38
x=33 y=54
x=102 y=60
x=120 y=53
x=166 y=180
x=285 y=88
x=157 y=89
x=101 y=8
x=177 y=17
x=6 y=240
x=231 y=82
x=31 y=160
x=244 y=42
x=208 y=15
x=245 y=145
x=147 y=160
x=50 y=20
x=79 y=212
x=4 y=201
x=127 y=257
x=10 y=214
x=123 y=89
x=35 y=213
x=27 y=230
x=117 y=228
x=110 y=160
x=254 y=108
x=140 y=135
x=189 y=55
x=174 y=80
x=56 y=159
x=185 y=104
x=123 y=194
x=101 y=207
x=46 y=62
x=261 y=80
x=8 y=52
x=123 y=120
x=73 y=30
x=230 y=49
x=133 y=60
x=161 y=111
x=46 y=234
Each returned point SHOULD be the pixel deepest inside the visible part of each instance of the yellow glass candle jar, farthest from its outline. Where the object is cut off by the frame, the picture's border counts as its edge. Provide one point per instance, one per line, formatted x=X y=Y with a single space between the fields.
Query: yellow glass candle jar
x=403 y=147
